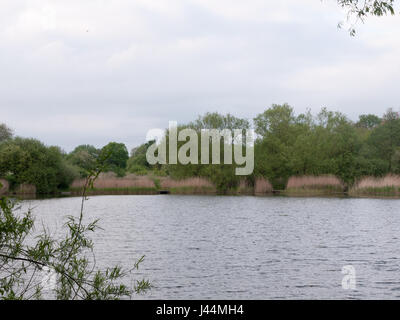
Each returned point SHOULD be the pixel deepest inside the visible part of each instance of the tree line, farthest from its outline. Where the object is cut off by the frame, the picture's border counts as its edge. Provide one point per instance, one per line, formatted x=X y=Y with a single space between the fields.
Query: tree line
x=294 y=145
x=286 y=145
x=49 y=168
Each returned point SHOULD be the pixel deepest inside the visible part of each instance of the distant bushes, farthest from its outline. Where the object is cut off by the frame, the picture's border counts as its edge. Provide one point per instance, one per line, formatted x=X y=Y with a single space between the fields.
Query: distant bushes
x=293 y=152
x=116 y=155
x=5 y=132
x=29 y=166
x=28 y=161
x=137 y=163
x=83 y=158
x=325 y=144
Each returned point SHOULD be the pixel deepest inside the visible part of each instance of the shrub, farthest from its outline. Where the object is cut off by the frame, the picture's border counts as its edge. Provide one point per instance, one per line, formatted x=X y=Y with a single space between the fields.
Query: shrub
x=30 y=161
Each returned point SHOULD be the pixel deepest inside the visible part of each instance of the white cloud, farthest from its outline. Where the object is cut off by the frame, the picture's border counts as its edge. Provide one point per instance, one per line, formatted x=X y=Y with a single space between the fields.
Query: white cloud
x=282 y=11
x=63 y=63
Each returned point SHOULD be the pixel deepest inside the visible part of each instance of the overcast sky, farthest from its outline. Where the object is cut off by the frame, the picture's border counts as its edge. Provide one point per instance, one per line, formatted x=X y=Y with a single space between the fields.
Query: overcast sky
x=94 y=71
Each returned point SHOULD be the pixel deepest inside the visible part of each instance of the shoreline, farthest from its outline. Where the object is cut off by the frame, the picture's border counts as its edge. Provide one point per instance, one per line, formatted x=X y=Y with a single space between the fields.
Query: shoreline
x=297 y=186
x=278 y=194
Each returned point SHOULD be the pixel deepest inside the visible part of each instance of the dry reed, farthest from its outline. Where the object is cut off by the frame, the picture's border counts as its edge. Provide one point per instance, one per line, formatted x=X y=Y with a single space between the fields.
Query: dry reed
x=262 y=186
x=26 y=189
x=112 y=182
x=373 y=182
x=4 y=186
x=384 y=186
x=305 y=182
x=245 y=188
x=190 y=185
x=314 y=185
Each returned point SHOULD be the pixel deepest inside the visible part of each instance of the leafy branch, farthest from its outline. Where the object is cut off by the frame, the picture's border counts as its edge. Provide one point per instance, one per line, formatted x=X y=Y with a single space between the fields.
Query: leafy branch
x=71 y=259
x=359 y=10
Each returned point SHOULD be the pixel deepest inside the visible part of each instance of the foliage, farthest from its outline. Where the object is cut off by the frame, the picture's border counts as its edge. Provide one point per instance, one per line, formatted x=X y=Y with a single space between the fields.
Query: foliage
x=368 y=121
x=30 y=161
x=294 y=145
x=137 y=162
x=117 y=157
x=222 y=176
x=84 y=157
x=5 y=132
x=363 y=8
x=305 y=145
x=214 y=120
x=287 y=145
x=384 y=140
x=359 y=10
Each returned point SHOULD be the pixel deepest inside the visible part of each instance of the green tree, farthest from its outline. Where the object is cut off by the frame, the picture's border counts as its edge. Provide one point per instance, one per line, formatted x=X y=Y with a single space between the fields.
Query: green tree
x=218 y=121
x=304 y=157
x=338 y=147
x=137 y=162
x=222 y=176
x=276 y=128
x=301 y=145
x=117 y=157
x=368 y=121
x=385 y=139
x=276 y=122
x=5 y=132
x=84 y=157
x=30 y=161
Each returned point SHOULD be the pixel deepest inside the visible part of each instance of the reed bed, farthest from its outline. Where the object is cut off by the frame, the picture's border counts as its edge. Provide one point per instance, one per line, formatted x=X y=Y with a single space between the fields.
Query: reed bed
x=4 y=186
x=117 y=183
x=26 y=189
x=262 y=186
x=110 y=184
x=196 y=185
x=245 y=188
x=325 y=184
x=372 y=186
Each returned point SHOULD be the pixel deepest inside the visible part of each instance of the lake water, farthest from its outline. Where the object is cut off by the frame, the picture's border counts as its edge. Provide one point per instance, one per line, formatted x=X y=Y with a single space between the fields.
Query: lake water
x=210 y=247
